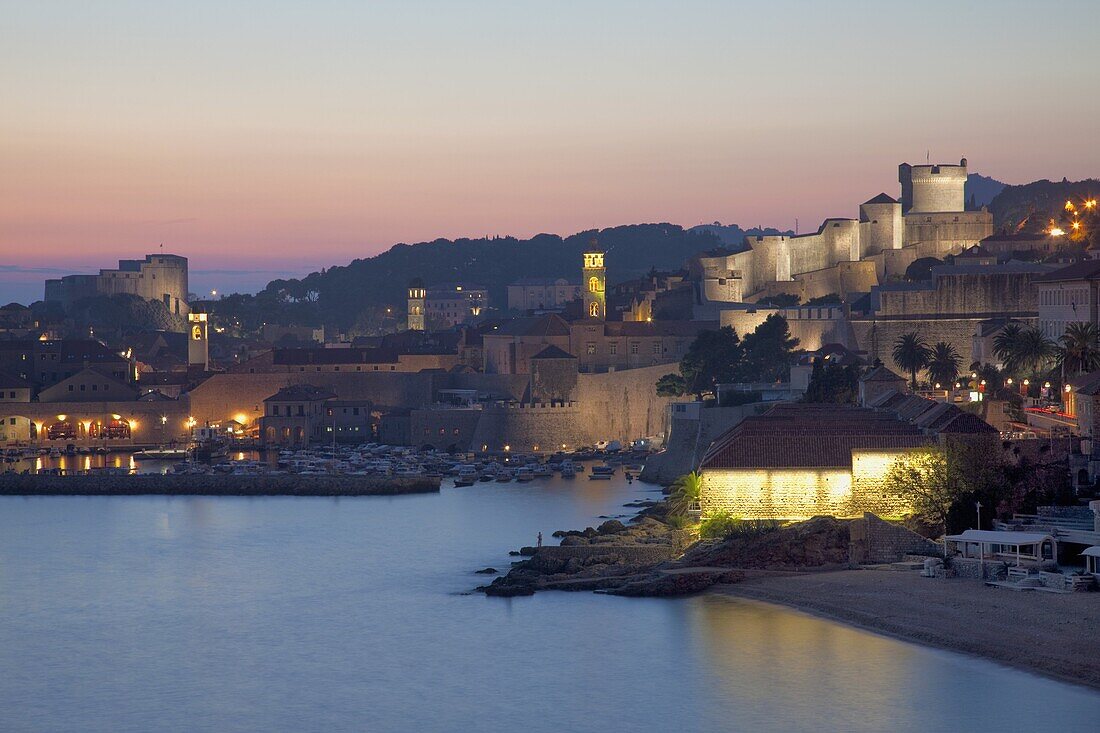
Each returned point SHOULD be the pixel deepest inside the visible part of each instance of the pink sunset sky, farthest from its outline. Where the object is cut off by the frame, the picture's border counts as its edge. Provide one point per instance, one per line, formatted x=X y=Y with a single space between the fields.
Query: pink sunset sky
x=261 y=140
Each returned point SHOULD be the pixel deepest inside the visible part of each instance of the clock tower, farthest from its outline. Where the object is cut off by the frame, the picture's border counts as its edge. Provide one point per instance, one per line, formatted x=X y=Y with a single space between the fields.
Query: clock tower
x=198 y=342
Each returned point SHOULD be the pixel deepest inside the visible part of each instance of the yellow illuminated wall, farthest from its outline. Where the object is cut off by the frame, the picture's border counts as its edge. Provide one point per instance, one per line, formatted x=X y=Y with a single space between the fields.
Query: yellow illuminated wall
x=801 y=493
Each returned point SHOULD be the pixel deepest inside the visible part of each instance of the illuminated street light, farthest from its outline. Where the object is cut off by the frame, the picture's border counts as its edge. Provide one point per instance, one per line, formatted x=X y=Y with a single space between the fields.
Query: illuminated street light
x=1056 y=232
x=1070 y=206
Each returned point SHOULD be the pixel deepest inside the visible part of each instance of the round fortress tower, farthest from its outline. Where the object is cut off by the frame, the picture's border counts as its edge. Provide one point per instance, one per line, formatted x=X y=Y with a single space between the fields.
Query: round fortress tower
x=932 y=188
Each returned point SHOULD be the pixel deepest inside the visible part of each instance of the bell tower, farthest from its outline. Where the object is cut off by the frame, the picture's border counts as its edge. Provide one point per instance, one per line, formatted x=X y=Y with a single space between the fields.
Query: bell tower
x=198 y=341
x=416 y=305
x=594 y=283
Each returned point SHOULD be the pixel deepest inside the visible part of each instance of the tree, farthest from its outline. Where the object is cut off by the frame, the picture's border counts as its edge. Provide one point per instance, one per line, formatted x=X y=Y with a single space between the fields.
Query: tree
x=1033 y=351
x=782 y=300
x=934 y=479
x=671 y=385
x=1005 y=345
x=711 y=359
x=686 y=493
x=943 y=363
x=833 y=384
x=1025 y=352
x=766 y=352
x=1079 y=350
x=911 y=354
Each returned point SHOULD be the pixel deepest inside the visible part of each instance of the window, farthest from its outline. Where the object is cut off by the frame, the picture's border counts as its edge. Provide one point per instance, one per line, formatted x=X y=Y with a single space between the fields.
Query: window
x=656 y=347
x=71 y=388
x=633 y=347
x=301 y=410
x=590 y=348
x=614 y=347
x=355 y=411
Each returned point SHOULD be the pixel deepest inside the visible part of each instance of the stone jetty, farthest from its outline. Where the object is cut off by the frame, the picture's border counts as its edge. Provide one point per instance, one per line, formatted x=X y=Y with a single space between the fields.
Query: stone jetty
x=25 y=484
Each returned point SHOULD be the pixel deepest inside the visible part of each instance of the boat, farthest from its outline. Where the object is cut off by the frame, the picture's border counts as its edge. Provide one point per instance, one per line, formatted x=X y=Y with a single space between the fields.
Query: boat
x=568 y=470
x=464 y=481
x=161 y=454
x=504 y=476
x=525 y=474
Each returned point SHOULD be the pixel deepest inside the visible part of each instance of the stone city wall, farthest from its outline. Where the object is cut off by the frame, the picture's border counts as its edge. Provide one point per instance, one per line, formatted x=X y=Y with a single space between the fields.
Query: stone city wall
x=877 y=336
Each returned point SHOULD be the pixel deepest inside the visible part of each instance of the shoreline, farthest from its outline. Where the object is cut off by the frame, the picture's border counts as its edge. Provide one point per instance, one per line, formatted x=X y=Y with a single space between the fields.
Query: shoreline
x=1050 y=635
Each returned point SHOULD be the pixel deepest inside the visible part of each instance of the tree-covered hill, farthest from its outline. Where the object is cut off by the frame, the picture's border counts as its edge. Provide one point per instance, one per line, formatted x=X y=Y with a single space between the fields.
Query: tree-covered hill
x=345 y=295
x=1031 y=207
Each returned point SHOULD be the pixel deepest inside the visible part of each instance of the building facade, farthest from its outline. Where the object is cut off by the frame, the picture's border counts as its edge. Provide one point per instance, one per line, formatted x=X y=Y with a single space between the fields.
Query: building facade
x=542 y=294
x=160 y=277
x=1068 y=295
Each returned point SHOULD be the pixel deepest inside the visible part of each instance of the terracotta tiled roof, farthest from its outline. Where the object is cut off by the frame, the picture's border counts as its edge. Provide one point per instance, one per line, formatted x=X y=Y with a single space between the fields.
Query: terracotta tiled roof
x=809 y=436
x=881 y=374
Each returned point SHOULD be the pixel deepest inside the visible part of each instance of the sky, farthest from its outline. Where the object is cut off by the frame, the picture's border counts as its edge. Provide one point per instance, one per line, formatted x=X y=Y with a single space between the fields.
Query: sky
x=269 y=139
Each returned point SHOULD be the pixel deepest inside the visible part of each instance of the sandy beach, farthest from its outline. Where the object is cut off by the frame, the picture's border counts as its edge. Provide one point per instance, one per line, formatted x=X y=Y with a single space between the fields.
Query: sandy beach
x=1051 y=634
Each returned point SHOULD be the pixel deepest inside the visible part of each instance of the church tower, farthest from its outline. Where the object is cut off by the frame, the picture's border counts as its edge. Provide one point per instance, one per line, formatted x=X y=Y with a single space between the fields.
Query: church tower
x=416 y=305
x=594 y=283
x=198 y=341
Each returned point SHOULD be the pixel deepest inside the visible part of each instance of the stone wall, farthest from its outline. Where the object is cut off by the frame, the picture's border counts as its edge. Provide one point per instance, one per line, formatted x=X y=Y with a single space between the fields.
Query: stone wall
x=632 y=554
x=801 y=493
x=877 y=336
x=875 y=541
x=689 y=438
x=444 y=427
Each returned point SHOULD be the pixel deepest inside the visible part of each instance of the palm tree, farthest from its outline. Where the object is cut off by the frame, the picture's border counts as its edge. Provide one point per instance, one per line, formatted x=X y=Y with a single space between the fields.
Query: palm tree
x=1005 y=345
x=1080 y=349
x=1033 y=351
x=686 y=494
x=911 y=354
x=943 y=363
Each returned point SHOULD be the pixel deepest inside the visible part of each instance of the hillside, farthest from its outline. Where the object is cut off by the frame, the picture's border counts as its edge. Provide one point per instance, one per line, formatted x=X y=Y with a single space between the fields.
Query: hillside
x=361 y=290
x=1030 y=208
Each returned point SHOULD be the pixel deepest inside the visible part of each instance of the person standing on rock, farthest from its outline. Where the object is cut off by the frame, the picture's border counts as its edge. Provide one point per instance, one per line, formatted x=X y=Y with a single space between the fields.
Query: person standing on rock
x=539 y=540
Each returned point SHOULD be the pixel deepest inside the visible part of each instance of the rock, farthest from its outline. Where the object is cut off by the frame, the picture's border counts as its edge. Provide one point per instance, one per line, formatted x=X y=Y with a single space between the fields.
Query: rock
x=486 y=571
x=514 y=553
x=573 y=539
x=611 y=526
x=676 y=584
x=528 y=551
x=505 y=588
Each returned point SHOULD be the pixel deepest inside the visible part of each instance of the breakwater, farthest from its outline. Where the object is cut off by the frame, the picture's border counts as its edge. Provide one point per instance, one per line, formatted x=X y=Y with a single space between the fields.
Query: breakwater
x=26 y=484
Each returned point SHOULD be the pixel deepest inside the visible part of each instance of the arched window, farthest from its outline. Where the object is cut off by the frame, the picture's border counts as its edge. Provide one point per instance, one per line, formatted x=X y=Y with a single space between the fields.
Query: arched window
x=593 y=284
x=594 y=309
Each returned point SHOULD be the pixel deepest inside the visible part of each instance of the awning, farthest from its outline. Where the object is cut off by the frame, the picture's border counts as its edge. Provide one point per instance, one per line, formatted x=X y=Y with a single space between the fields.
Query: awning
x=998 y=537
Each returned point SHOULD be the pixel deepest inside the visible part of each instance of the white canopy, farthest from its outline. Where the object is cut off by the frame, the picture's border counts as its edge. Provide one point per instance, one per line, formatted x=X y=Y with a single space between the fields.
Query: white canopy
x=1092 y=551
x=1000 y=537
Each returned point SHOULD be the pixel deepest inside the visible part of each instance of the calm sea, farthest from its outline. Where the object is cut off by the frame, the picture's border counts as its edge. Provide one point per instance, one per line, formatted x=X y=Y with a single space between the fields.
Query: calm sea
x=302 y=614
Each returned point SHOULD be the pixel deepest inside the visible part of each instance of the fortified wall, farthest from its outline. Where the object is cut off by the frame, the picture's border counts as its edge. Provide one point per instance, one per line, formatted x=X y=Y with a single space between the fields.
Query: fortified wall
x=929 y=221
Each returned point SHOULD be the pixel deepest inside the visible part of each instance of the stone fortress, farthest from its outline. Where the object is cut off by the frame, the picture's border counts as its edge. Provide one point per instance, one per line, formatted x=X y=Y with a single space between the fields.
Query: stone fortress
x=846 y=256
x=161 y=277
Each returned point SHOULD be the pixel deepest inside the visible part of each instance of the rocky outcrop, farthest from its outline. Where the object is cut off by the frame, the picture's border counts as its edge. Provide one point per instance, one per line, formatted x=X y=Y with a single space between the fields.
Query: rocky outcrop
x=650 y=558
x=817 y=543
x=673 y=583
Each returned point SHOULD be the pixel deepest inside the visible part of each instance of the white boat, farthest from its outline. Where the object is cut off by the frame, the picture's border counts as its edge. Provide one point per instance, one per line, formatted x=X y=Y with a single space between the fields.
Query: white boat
x=525 y=474
x=161 y=454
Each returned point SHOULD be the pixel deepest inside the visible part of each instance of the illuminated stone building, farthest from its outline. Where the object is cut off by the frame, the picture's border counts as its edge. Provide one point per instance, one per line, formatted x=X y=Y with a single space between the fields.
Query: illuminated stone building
x=416 y=305
x=595 y=284
x=798 y=461
x=850 y=255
